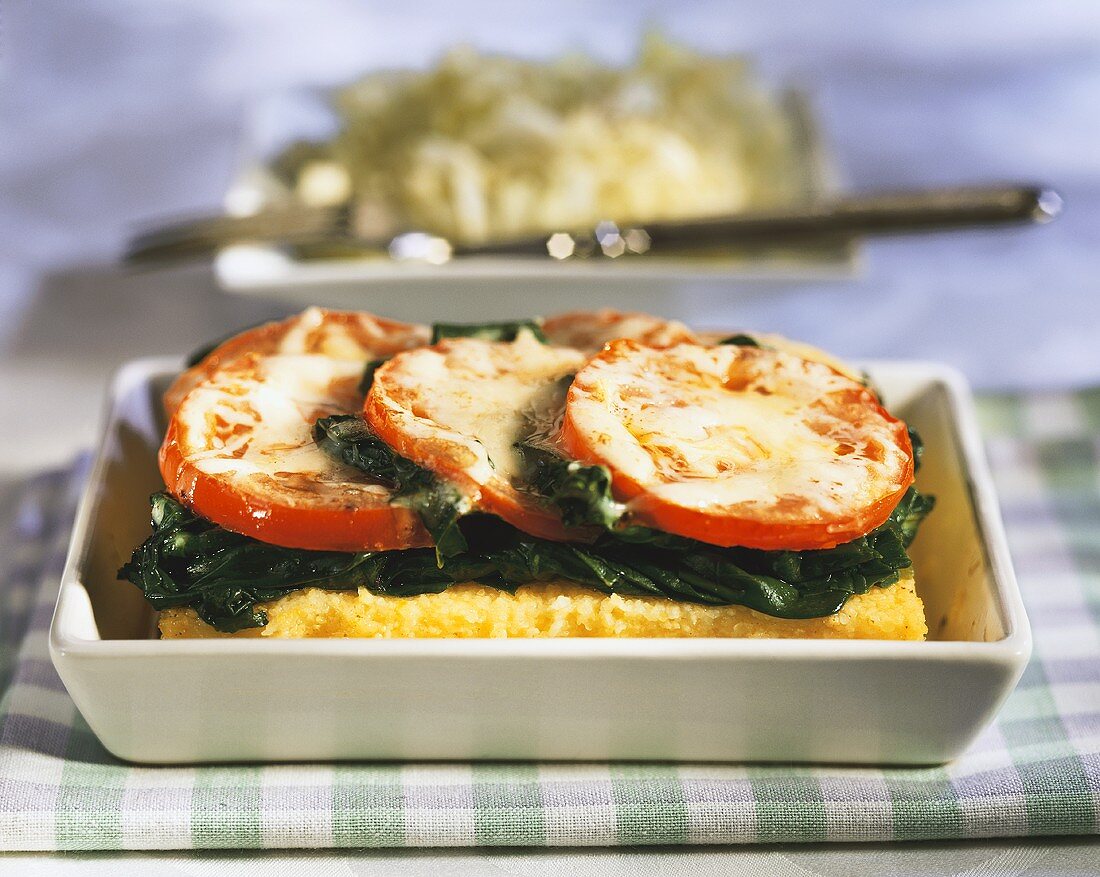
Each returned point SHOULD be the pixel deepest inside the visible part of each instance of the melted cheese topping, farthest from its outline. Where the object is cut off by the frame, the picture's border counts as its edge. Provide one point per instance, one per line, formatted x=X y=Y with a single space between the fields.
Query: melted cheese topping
x=591 y=330
x=354 y=335
x=478 y=397
x=252 y=426
x=782 y=342
x=737 y=428
x=350 y=335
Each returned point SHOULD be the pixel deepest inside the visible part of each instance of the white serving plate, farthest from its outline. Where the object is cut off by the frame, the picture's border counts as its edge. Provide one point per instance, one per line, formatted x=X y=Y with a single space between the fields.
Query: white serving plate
x=680 y=700
x=501 y=287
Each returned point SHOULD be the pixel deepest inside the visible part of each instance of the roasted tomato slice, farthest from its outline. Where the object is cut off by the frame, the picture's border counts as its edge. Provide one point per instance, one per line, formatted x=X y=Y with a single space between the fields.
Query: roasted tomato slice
x=459 y=407
x=351 y=335
x=591 y=330
x=743 y=446
x=240 y=452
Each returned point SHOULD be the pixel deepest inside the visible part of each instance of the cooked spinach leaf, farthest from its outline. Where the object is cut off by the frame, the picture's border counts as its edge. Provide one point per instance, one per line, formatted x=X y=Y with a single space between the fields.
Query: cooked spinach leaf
x=439 y=503
x=913 y=508
x=918 y=447
x=741 y=340
x=581 y=492
x=505 y=331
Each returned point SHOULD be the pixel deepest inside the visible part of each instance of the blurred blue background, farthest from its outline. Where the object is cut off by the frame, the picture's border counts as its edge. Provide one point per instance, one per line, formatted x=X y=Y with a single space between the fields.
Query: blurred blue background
x=115 y=112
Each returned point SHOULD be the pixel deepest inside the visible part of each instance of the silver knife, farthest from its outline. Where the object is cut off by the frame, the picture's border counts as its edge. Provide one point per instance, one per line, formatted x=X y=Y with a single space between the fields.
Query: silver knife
x=843 y=218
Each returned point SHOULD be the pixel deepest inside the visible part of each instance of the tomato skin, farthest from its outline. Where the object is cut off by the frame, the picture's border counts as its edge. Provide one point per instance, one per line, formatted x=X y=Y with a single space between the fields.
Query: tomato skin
x=719 y=526
x=326 y=529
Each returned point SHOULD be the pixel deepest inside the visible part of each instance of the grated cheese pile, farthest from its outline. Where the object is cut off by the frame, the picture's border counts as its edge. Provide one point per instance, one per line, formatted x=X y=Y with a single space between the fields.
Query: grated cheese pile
x=486 y=146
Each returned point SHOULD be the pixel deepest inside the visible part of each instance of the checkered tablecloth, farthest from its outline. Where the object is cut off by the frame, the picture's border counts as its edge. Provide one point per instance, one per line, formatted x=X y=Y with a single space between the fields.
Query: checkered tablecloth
x=1036 y=771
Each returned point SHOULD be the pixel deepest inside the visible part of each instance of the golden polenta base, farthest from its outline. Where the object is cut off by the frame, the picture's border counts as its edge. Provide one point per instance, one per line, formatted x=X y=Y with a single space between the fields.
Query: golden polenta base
x=557 y=609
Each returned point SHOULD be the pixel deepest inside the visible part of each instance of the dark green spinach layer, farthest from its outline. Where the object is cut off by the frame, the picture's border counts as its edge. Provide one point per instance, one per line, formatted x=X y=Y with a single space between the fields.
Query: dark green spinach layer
x=188 y=561
x=741 y=340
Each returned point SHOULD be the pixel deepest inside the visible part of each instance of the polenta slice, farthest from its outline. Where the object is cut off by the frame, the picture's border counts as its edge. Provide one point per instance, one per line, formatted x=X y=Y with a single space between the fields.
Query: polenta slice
x=558 y=609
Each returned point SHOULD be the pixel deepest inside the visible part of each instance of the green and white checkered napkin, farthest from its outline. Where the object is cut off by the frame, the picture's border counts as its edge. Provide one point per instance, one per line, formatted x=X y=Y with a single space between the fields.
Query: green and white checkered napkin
x=1035 y=772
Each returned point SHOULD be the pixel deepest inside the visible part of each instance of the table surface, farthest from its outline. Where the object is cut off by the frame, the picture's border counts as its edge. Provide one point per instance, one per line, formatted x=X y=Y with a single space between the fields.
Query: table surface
x=116 y=112
x=1077 y=857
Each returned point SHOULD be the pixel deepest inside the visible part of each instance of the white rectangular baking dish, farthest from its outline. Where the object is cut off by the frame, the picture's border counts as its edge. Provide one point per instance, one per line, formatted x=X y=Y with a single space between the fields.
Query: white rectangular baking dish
x=680 y=700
